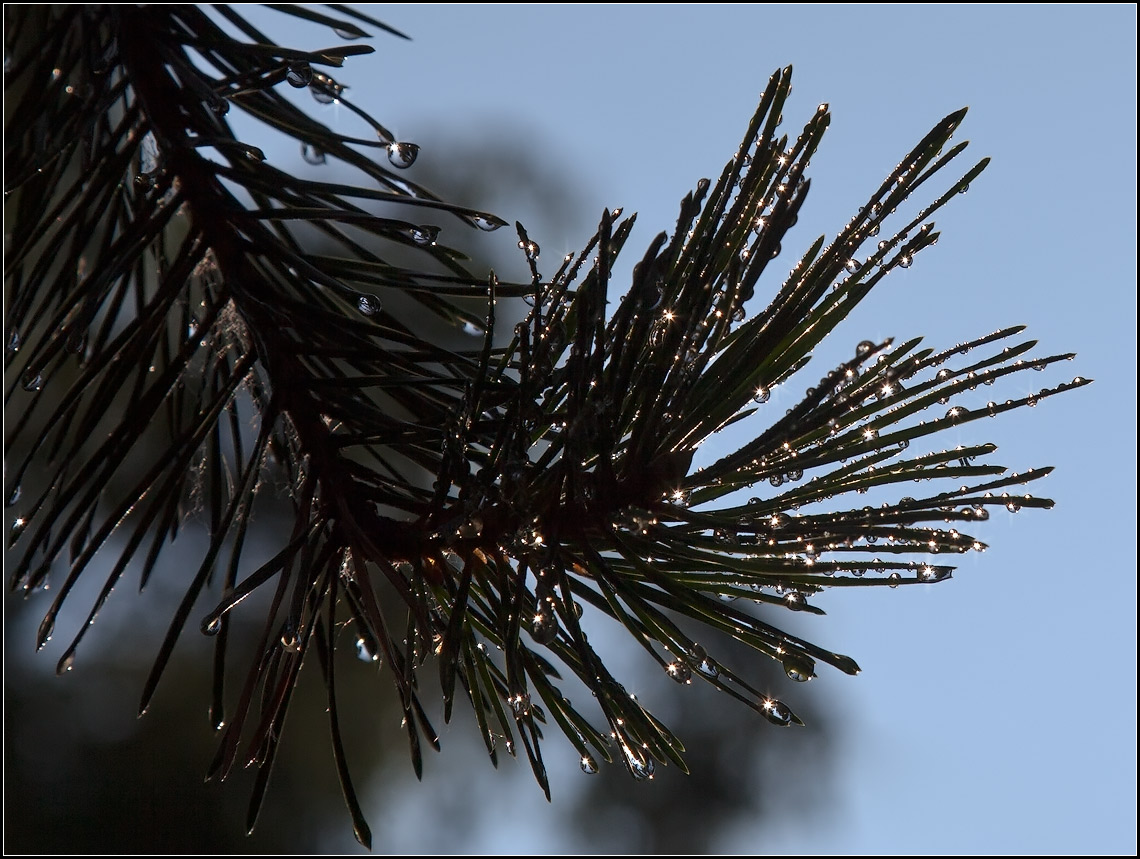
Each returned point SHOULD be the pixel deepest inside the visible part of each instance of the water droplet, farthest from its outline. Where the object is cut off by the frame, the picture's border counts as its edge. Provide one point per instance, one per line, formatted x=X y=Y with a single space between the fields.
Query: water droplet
x=13 y=340
x=13 y=496
x=795 y=600
x=324 y=89
x=219 y=105
x=852 y=265
x=487 y=223
x=928 y=573
x=472 y=330
x=76 y=340
x=312 y=155
x=640 y=769
x=531 y=249
x=589 y=765
x=762 y=394
x=18 y=527
x=32 y=381
x=544 y=627
x=520 y=705
x=864 y=348
x=364 y=653
x=192 y=328
x=300 y=74
x=738 y=315
x=777 y=712
x=893 y=580
x=905 y=261
x=369 y=305
x=680 y=672
x=403 y=155
x=964 y=188
x=65 y=664
x=346 y=34
x=213 y=626
x=799 y=667
x=1012 y=506
x=424 y=235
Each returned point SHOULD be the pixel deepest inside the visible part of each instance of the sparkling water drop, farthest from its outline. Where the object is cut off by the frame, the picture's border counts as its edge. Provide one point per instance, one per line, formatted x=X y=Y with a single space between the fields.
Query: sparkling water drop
x=588 y=764
x=324 y=89
x=799 y=667
x=795 y=600
x=864 y=348
x=424 y=235
x=520 y=705
x=213 y=627
x=531 y=249
x=852 y=265
x=32 y=381
x=642 y=770
x=364 y=653
x=369 y=305
x=680 y=672
x=544 y=627
x=487 y=223
x=893 y=580
x=762 y=394
x=18 y=528
x=905 y=261
x=192 y=328
x=13 y=340
x=300 y=74
x=928 y=573
x=13 y=496
x=403 y=155
x=312 y=155
x=777 y=712
x=65 y=664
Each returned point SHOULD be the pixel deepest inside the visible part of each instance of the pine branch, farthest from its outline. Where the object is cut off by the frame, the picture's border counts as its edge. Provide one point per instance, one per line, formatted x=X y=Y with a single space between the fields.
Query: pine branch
x=161 y=299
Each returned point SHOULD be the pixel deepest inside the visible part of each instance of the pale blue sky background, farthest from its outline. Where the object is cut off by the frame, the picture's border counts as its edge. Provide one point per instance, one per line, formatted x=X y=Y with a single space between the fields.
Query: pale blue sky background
x=995 y=712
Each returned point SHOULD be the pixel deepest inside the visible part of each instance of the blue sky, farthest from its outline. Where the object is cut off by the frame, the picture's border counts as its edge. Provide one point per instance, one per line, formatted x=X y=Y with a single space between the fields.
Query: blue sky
x=995 y=712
